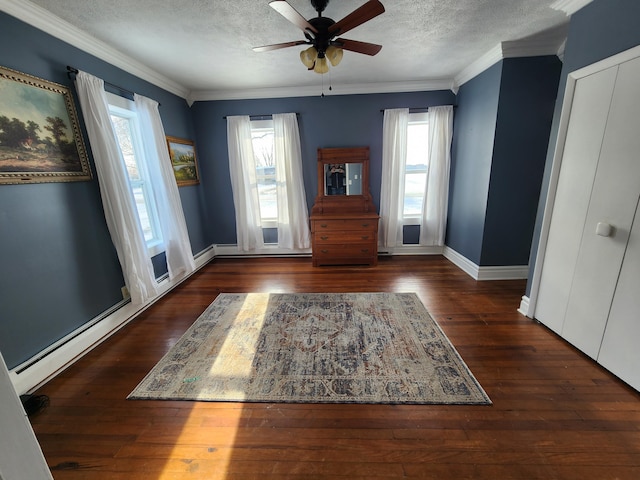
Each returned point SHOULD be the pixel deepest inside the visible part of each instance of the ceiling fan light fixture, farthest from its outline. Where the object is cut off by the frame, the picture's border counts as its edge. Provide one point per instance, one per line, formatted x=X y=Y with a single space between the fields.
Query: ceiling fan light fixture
x=321 y=65
x=334 y=54
x=308 y=57
x=321 y=32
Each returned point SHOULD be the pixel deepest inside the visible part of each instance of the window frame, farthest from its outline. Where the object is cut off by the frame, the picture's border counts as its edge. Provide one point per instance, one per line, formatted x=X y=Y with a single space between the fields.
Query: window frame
x=125 y=108
x=415 y=118
x=258 y=126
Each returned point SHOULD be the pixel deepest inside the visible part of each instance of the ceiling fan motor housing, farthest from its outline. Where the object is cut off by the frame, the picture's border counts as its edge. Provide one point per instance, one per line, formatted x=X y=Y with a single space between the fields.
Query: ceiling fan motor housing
x=322 y=39
x=321 y=32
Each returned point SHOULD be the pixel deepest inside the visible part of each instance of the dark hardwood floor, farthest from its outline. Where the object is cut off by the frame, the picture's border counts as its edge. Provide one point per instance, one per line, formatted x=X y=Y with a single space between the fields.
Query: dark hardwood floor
x=555 y=415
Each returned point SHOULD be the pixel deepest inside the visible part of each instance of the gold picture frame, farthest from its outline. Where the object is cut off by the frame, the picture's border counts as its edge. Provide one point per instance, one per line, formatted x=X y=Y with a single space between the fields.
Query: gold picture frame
x=40 y=137
x=182 y=154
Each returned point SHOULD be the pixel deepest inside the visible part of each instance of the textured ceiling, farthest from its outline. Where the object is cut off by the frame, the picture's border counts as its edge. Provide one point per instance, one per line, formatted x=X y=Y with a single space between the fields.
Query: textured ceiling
x=206 y=45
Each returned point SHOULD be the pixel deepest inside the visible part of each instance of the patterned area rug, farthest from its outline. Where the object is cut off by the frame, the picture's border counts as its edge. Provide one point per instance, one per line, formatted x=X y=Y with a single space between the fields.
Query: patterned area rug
x=314 y=348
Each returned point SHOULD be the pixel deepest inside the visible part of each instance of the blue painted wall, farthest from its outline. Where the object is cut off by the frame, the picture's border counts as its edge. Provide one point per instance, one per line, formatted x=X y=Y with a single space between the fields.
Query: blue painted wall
x=471 y=152
x=499 y=146
x=59 y=267
x=330 y=121
x=528 y=92
x=597 y=31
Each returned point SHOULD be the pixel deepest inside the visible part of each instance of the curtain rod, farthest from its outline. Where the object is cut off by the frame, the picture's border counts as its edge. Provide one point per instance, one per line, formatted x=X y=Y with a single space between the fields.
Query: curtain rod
x=75 y=71
x=267 y=116
x=420 y=110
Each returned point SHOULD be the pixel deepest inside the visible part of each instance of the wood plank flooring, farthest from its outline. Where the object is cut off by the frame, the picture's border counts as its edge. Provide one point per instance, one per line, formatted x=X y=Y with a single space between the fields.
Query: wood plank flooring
x=555 y=415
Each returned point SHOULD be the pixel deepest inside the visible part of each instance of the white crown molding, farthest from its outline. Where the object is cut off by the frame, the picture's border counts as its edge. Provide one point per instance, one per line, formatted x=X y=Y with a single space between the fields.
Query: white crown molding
x=313 y=91
x=42 y=19
x=569 y=6
x=549 y=43
x=489 y=59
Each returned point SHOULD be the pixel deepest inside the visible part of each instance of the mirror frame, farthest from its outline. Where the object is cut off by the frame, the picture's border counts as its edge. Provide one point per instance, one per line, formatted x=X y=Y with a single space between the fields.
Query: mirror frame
x=343 y=203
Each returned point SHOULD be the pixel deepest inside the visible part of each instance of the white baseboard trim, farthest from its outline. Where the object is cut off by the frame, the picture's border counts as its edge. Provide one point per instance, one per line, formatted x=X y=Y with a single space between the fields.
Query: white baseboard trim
x=507 y=272
x=232 y=250
x=411 y=250
x=524 y=306
x=48 y=363
x=461 y=262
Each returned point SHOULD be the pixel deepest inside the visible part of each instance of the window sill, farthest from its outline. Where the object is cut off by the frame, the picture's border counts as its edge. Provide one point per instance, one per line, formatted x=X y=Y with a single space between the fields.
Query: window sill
x=269 y=224
x=411 y=221
x=155 y=248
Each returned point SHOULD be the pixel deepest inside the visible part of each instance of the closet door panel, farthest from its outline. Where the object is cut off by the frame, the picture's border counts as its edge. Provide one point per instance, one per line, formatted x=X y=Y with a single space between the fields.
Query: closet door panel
x=591 y=100
x=620 y=352
x=613 y=203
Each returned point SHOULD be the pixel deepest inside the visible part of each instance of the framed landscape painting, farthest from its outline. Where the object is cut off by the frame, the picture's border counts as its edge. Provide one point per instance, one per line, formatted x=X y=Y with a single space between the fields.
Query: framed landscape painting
x=183 y=160
x=40 y=139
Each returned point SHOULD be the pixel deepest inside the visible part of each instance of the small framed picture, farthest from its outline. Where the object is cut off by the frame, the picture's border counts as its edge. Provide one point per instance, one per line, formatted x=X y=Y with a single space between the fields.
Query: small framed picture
x=40 y=139
x=183 y=160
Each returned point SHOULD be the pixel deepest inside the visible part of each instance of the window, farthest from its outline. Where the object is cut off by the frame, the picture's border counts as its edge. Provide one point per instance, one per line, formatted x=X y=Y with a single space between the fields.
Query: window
x=415 y=177
x=262 y=134
x=125 y=124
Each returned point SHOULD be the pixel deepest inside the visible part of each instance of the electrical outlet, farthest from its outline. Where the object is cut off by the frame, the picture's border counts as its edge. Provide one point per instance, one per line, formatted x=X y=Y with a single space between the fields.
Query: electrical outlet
x=125 y=293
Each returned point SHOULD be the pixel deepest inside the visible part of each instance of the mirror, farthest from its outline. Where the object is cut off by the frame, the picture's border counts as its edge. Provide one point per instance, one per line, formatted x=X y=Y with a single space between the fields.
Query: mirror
x=343 y=179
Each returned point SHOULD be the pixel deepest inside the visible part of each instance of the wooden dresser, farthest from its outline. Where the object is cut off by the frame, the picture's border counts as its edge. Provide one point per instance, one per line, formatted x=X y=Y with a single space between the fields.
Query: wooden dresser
x=344 y=224
x=345 y=238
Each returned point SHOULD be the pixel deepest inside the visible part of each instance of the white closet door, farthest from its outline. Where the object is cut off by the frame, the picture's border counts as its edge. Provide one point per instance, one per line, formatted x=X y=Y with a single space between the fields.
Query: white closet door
x=619 y=352
x=591 y=100
x=613 y=203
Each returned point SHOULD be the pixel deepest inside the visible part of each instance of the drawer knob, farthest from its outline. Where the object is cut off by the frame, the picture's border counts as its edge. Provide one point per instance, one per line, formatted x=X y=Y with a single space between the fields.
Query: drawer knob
x=365 y=224
x=365 y=250
x=324 y=237
x=323 y=225
x=365 y=237
x=324 y=251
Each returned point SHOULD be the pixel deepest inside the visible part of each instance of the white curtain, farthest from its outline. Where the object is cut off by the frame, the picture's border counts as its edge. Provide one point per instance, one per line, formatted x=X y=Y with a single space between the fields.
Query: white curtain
x=244 y=183
x=293 y=215
x=436 y=198
x=169 y=206
x=394 y=159
x=117 y=198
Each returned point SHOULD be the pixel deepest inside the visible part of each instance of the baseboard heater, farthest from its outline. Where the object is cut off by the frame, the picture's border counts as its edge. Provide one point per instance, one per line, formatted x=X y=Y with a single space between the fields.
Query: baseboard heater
x=64 y=340
x=201 y=258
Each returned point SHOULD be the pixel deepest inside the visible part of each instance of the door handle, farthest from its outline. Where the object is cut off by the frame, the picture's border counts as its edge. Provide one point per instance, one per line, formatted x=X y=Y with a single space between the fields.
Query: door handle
x=604 y=229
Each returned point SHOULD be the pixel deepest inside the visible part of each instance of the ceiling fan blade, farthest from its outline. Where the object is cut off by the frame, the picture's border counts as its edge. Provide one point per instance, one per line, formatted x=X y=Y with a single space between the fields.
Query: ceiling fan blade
x=359 y=47
x=366 y=12
x=291 y=14
x=276 y=46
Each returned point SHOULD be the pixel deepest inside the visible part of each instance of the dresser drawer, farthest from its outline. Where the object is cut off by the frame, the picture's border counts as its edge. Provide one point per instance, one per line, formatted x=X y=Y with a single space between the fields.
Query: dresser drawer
x=346 y=236
x=345 y=239
x=347 y=253
x=343 y=225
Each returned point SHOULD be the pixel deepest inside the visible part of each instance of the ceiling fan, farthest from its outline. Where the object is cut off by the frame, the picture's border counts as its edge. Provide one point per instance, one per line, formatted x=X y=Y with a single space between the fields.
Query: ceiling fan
x=321 y=32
